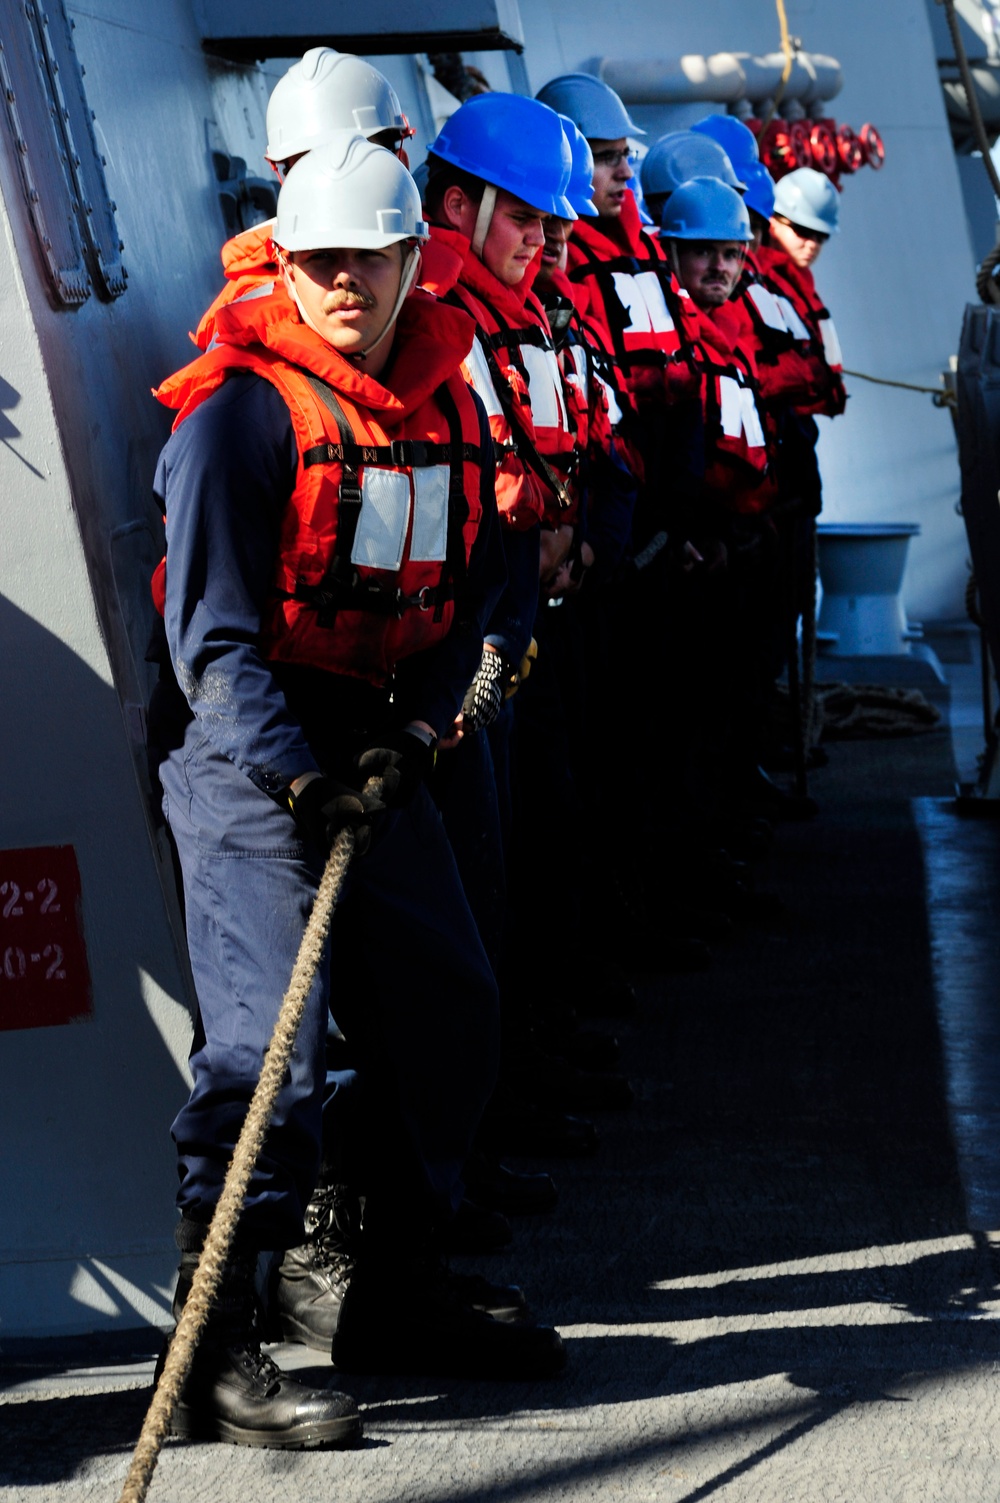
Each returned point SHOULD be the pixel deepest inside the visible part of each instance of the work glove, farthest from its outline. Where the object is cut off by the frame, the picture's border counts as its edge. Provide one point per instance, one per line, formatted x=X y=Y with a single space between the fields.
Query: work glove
x=402 y=761
x=484 y=698
x=325 y=806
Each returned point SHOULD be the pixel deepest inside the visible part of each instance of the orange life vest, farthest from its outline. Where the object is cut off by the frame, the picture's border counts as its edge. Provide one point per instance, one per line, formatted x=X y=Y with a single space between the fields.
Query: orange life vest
x=523 y=355
x=249 y=271
x=513 y=368
x=625 y=270
x=378 y=532
x=595 y=402
x=738 y=438
x=787 y=369
x=809 y=321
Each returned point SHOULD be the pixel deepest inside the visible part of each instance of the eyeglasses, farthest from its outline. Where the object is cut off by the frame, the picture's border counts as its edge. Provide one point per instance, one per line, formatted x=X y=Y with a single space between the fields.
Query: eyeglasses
x=612 y=158
x=801 y=230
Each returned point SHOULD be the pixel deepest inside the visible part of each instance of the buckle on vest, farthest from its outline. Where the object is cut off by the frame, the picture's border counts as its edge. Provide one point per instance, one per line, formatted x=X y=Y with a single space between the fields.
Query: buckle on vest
x=409 y=451
x=423 y=600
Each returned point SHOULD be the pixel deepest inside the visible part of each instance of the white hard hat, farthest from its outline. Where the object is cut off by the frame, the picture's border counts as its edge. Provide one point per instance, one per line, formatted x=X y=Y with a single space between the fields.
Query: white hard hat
x=348 y=193
x=808 y=198
x=324 y=92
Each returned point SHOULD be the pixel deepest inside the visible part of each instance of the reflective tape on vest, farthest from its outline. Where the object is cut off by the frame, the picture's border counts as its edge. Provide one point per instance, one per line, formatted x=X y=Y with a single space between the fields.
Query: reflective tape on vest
x=482 y=383
x=548 y=409
x=739 y=413
x=796 y=327
x=615 y=413
x=385 y=517
x=642 y=296
x=429 y=541
x=583 y=374
x=264 y=290
x=577 y=377
x=831 y=344
x=768 y=307
x=578 y=355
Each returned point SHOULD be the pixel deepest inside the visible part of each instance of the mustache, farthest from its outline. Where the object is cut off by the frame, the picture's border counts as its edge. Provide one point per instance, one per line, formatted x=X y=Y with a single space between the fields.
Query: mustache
x=342 y=297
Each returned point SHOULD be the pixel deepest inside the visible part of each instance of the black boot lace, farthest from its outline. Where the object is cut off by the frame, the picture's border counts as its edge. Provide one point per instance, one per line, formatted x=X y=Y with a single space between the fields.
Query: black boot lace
x=330 y=1234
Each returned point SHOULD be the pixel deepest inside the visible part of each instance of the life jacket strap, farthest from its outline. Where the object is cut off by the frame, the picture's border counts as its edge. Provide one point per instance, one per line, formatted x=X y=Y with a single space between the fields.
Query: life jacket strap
x=334 y=594
x=342 y=587
x=404 y=453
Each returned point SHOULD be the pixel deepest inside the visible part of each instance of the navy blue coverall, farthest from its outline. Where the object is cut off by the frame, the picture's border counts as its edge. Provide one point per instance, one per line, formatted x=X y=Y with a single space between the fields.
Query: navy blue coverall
x=406 y=978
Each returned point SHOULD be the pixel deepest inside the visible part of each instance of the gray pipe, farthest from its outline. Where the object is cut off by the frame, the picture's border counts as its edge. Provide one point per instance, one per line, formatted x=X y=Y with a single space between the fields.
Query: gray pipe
x=723 y=78
x=986 y=82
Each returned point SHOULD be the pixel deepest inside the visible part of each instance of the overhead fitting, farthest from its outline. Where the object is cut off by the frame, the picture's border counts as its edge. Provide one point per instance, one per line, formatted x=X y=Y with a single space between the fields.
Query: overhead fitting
x=973 y=69
x=784 y=102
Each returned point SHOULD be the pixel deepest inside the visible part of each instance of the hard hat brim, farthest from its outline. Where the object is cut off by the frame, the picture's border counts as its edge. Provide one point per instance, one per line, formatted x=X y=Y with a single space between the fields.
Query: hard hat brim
x=743 y=238
x=359 y=240
x=806 y=222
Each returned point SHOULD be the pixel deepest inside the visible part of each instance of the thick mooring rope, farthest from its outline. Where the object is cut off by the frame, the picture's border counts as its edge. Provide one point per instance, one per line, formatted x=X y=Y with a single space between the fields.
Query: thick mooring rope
x=208 y=1275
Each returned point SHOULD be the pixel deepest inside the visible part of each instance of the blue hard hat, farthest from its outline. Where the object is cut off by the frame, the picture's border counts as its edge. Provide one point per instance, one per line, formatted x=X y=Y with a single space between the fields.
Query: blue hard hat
x=634 y=187
x=514 y=143
x=421 y=176
x=681 y=155
x=736 y=139
x=591 y=104
x=808 y=198
x=760 y=189
x=581 y=182
x=705 y=209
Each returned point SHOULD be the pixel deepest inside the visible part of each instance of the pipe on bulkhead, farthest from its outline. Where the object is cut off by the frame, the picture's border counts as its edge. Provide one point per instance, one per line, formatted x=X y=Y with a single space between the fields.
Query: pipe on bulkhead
x=986 y=82
x=722 y=78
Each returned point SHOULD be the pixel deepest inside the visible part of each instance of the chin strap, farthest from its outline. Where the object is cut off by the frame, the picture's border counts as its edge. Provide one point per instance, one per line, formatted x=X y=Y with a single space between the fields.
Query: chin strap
x=302 y=312
x=484 y=219
x=410 y=270
x=411 y=266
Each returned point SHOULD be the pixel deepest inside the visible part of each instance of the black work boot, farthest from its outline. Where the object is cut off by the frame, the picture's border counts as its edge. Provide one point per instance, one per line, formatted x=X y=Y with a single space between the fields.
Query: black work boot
x=235 y=1393
x=311 y=1279
x=501 y=1301
x=414 y=1317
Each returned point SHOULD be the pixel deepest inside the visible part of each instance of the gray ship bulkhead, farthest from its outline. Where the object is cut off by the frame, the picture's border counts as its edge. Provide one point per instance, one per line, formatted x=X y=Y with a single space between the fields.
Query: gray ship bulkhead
x=87 y=1175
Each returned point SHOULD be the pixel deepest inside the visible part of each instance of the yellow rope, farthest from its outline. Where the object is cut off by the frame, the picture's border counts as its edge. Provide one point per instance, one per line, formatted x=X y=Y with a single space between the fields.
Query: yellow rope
x=218 y=1242
x=786 y=73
